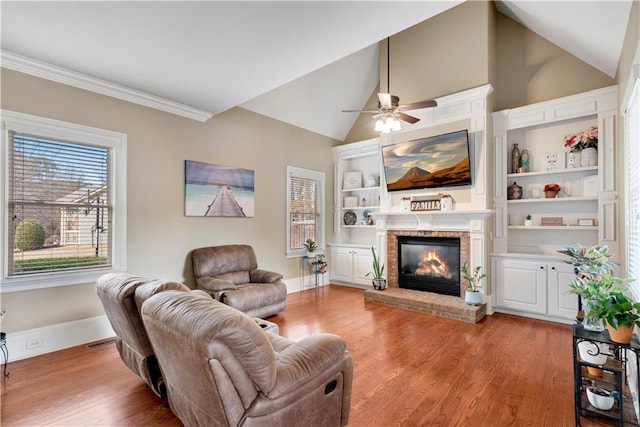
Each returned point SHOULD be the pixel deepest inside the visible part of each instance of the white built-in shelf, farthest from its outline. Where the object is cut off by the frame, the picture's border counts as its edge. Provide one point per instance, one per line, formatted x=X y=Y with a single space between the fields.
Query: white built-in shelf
x=556 y=172
x=361 y=208
x=348 y=190
x=554 y=200
x=554 y=227
x=358 y=226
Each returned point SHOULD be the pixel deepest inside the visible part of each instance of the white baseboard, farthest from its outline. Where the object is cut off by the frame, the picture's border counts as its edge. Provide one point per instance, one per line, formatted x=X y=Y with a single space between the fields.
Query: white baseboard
x=34 y=342
x=298 y=284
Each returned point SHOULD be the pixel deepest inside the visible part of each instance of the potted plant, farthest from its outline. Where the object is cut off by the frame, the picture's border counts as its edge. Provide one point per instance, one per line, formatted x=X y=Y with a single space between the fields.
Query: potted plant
x=551 y=190
x=321 y=266
x=621 y=315
x=528 y=222
x=311 y=246
x=377 y=275
x=472 y=295
x=593 y=282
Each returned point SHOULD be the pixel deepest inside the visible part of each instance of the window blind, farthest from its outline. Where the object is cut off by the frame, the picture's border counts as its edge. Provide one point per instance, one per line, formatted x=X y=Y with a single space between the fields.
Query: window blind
x=632 y=193
x=59 y=205
x=303 y=211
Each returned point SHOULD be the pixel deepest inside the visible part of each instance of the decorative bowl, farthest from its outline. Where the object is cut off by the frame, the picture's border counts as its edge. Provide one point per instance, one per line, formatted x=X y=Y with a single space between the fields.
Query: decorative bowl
x=600 y=398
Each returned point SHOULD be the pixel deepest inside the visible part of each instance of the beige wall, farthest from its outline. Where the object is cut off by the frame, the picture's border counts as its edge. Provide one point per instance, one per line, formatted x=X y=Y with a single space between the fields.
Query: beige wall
x=159 y=235
x=530 y=69
x=443 y=55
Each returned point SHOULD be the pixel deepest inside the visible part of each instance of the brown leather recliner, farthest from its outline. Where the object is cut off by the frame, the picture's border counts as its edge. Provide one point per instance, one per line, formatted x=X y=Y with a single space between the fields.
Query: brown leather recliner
x=222 y=369
x=117 y=293
x=230 y=274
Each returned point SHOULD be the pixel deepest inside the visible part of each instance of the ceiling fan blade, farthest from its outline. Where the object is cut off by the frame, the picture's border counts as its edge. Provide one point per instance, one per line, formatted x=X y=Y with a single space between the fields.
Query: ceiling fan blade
x=385 y=100
x=361 y=111
x=407 y=118
x=422 y=104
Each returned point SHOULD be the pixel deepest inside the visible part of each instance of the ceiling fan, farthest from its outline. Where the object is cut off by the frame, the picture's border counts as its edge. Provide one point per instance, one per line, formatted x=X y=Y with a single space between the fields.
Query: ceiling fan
x=390 y=111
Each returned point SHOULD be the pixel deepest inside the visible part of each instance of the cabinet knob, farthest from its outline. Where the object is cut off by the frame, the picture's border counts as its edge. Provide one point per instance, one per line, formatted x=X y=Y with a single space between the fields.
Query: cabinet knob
x=542 y=267
x=553 y=268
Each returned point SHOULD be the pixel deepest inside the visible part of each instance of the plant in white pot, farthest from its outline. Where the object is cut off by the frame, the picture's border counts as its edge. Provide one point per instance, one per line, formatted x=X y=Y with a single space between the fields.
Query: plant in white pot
x=310 y=245
x=528 y=222
x=472 y=295
x=377 y=275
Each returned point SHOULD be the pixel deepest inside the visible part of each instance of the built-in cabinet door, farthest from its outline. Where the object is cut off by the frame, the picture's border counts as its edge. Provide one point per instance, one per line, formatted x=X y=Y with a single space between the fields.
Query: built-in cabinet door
x=561 y=302
x=341 y=264
x=523 y=286
x=363 y=263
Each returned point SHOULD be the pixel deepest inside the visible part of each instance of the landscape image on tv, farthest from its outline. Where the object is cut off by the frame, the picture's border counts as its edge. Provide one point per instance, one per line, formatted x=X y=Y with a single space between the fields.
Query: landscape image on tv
x=436 y=161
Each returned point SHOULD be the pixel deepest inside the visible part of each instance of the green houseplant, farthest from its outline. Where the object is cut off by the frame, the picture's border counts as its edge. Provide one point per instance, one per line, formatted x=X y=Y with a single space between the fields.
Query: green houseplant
x=605 y=294
x=310 y=245
x=377 y=275
x=621 y=315
x=472 y=295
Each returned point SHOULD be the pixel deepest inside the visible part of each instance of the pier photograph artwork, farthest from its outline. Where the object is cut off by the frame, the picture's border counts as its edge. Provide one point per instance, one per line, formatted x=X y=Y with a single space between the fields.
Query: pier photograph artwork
x=215 y=190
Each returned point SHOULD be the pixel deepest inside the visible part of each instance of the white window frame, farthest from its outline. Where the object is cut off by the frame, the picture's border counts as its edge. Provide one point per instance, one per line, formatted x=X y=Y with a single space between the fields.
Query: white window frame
x=55 y=129
x=319 y=177
x=631 y=111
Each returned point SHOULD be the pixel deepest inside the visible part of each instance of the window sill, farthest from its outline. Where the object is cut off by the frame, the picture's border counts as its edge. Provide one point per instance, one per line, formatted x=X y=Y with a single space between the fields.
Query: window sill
x=50 y=280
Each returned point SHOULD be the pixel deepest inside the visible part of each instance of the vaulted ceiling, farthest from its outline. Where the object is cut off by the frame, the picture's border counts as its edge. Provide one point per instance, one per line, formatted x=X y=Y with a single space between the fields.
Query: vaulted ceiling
x=299 y=62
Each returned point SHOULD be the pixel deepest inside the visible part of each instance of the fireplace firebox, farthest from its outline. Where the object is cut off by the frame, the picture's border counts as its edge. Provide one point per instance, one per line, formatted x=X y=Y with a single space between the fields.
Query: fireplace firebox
x=429 y=264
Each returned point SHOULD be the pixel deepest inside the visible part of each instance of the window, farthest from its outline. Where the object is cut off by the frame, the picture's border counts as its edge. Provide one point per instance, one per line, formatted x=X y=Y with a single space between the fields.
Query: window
x=305 y=209
x=63 y=207
x=632 y=188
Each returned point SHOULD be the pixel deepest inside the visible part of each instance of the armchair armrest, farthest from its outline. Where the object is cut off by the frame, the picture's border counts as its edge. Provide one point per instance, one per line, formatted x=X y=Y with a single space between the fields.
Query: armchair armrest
x=215 y=285
x=299 y=362
x=264 y=276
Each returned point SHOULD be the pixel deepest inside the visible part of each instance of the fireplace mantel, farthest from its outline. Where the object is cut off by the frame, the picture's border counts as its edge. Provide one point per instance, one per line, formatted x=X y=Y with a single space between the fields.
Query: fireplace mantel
x=454 y=220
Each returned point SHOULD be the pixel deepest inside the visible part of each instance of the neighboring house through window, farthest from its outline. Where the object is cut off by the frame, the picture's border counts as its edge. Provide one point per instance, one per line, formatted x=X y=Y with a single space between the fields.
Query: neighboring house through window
x=64 y=206
x=305 y=209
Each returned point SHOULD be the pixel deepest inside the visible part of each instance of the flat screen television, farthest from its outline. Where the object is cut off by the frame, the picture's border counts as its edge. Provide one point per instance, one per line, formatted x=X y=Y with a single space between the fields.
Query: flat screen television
x=432 y=162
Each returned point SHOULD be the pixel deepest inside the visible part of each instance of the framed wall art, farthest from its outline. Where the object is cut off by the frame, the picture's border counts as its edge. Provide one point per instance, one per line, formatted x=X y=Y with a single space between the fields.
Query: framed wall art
x=214 y=190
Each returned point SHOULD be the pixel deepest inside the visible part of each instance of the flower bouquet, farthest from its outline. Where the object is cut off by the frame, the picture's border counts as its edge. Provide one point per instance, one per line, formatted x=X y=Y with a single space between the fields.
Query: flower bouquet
x=579 y=141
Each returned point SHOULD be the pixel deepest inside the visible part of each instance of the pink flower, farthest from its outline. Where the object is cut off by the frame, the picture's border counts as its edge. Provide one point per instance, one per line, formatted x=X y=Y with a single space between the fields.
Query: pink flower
x=581 y=140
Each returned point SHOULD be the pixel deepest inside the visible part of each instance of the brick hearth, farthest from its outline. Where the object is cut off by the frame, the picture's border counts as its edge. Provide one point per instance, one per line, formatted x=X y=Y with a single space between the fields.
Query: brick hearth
x=428 y=302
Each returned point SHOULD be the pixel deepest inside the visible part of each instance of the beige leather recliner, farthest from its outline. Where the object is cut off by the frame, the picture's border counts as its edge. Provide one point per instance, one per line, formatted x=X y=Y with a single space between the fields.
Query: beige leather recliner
x=222 y=369
x=117 y=293
x=230 y=274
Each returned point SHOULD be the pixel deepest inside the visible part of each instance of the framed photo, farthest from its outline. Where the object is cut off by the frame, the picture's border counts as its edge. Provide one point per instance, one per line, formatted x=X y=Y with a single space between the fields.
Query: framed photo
x=587 y=221
x=351 y=180
x=590 y=186
x=214 y=190
x=350 y=202
x=554 y=161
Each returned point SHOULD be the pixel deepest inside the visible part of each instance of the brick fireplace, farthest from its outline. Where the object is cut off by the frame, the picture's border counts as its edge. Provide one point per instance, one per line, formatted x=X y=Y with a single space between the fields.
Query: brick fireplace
x=392 y=250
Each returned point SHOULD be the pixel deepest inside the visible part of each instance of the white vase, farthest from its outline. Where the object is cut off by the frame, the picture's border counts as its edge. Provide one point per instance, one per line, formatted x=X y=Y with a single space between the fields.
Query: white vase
x=473 y=298
x=589 y=157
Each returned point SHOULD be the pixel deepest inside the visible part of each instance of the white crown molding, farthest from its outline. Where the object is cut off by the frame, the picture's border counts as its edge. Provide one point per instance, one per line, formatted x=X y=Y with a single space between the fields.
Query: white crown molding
x=41 y=69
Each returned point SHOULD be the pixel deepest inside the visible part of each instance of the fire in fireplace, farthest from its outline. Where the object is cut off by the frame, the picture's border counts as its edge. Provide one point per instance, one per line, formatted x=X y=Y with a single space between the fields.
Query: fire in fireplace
x=430 y=264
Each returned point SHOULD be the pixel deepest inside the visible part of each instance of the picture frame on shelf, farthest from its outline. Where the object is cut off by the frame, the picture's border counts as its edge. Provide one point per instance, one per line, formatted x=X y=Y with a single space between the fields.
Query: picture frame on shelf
x=352 y=180
x=590 y=186
x=350 y=202
x=553 y=161
x=586 y=221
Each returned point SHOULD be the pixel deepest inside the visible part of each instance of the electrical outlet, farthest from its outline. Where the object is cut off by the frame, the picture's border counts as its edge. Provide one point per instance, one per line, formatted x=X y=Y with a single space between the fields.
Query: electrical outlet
x=34 y=343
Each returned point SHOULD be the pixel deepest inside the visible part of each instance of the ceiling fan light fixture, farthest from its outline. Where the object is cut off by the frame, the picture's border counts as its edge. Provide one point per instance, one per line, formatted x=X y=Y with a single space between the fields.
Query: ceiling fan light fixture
x=379 y=125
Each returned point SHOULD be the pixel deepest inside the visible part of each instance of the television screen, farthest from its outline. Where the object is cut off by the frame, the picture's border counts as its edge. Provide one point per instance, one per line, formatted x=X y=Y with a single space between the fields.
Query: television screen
x=432 y=162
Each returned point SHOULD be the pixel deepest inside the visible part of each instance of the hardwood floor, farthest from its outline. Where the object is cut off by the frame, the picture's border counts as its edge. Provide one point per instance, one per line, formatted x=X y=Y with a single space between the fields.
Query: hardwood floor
x=411 y=369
